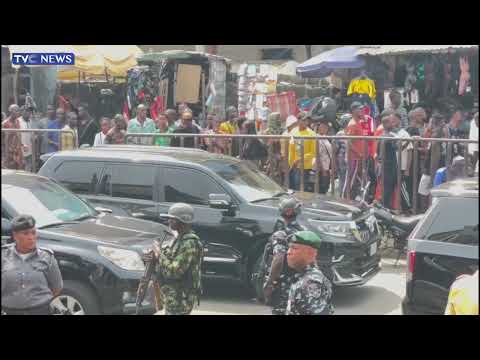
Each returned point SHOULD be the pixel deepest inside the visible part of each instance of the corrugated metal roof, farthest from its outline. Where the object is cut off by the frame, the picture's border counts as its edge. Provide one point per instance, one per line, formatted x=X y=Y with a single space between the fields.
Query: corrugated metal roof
x=409 y=49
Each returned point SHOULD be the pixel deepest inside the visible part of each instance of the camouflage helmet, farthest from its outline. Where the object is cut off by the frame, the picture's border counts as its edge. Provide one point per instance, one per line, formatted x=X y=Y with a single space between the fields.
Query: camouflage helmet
x=290 y=207
x=181 y=212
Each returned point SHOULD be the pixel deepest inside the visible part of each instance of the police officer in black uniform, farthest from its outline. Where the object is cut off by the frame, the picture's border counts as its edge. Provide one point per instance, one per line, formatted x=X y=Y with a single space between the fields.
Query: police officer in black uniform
x=279 y=276
x=30 y=275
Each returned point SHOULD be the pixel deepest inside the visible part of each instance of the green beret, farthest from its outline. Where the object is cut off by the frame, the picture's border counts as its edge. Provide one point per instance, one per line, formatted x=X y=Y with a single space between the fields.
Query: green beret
x=308 y=238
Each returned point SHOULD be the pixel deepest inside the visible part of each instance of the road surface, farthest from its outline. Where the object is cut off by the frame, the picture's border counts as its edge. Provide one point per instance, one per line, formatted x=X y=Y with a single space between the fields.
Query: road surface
x=382 y=295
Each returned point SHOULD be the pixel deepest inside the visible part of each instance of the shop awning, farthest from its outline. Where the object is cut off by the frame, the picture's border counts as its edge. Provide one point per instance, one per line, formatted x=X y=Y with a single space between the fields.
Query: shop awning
x=322 y=65
x=157 y=57
x=91 y=61
x=99 y=61
x=410 y=49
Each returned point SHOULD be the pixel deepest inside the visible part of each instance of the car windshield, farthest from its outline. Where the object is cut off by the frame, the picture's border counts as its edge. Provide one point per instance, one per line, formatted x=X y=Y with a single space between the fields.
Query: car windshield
x=45 y=200
x=248 y=181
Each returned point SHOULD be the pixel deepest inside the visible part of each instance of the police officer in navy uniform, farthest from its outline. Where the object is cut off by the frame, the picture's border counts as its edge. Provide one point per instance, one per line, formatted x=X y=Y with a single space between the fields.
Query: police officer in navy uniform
x=279 y=276
x=31 y=278
x=311 y=293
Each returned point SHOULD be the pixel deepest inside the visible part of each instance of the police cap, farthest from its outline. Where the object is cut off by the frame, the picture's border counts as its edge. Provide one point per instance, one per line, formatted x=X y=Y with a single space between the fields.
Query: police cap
x=23 y=222
x=308 y=238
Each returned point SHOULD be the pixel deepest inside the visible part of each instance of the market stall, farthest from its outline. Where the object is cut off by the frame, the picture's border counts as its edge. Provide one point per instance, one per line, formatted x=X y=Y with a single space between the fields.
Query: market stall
x=166 y=79
x=96 y=77
x=337 y=66
x=435 y=76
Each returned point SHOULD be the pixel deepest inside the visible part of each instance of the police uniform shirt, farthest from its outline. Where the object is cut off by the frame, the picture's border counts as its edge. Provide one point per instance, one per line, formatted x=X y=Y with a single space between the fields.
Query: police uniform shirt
x=27 y=279
x=311 y=294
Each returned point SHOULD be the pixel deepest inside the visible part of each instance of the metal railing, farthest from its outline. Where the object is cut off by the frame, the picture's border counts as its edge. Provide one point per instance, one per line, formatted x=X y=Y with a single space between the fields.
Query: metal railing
x=300 y=142
x=275 y=155
x=35 y=149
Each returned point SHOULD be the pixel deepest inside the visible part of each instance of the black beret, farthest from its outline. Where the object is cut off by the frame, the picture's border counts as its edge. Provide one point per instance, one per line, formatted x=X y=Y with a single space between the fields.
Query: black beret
x=23 y=222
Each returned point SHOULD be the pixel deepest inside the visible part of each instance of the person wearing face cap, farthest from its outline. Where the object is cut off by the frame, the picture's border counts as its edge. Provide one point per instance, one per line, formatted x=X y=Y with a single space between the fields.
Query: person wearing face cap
x=311 y=294
x=290 y=124
x=31 y=278
x=179 y=262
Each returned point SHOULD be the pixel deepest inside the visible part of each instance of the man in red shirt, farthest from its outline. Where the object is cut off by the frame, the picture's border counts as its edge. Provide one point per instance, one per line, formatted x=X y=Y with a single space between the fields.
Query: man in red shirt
x=355 y=153
x=368 y=126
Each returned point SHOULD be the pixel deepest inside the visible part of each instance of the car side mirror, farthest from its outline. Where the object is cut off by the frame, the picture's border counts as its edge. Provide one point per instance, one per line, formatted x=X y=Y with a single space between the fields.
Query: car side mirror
x=219 y=201
x=6 y=227
x=469 y=235
x=104 y=210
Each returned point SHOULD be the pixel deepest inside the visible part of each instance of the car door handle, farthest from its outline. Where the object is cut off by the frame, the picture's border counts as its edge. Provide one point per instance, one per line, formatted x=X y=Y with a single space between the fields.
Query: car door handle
x=138 y=215
x=244 y=231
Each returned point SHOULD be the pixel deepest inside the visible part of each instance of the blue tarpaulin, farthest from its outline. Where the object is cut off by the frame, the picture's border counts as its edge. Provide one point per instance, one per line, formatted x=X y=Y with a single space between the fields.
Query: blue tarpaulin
x=323 y=64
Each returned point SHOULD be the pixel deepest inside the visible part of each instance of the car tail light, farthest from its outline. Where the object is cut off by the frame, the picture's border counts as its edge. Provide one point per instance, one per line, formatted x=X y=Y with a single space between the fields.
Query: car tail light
x=411 y=261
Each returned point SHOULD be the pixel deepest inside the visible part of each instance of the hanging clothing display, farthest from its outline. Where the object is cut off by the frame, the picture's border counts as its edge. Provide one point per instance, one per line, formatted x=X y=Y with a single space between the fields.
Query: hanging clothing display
x=429 y=77
x=363 y=89
x=142 y=85
x=362 y=86
x=284 y=103
x=464 y=76
x=255 y=84
x=217 y=88
x=157 y=107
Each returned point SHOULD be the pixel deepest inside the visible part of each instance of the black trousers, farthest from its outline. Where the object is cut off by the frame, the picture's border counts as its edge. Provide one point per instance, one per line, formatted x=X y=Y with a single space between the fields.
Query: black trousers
x=38 y=310
x=324 y=183
x=389 y=187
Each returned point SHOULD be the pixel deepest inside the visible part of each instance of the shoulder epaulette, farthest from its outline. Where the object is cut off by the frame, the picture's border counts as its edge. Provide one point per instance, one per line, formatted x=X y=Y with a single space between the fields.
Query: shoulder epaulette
x=47 y=250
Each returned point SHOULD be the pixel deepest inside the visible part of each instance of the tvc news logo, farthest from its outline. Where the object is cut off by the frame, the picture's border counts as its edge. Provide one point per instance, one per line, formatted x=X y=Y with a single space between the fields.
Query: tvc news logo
x=43 y=59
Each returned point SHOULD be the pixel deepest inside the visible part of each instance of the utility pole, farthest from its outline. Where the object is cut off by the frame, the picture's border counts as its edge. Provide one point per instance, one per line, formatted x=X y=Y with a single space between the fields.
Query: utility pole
x=308 y=49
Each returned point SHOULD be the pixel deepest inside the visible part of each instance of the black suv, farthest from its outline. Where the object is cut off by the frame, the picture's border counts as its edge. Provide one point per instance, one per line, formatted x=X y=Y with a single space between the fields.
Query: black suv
x=235 y=206
x=443 y=246
x=98 y=253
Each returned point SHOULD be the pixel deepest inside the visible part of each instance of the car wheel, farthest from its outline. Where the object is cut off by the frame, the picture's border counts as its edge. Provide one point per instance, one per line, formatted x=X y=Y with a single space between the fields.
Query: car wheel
x=256 y=278
x=75 y=299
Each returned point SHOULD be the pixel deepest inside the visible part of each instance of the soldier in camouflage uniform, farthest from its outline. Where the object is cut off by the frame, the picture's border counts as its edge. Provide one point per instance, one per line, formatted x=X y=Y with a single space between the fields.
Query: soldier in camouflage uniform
x=179 y=263
x=278 y=276
x=311 y=294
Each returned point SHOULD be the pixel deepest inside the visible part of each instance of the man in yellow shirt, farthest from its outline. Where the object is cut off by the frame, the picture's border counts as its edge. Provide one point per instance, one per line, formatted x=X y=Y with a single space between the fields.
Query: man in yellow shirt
x=67 y=139
x=463 y=297
x=229 y=126
x=294 y=153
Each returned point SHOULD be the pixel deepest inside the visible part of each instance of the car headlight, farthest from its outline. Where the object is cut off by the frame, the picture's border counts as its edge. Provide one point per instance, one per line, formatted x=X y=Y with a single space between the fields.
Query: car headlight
x=125 y=259
x=342 y=229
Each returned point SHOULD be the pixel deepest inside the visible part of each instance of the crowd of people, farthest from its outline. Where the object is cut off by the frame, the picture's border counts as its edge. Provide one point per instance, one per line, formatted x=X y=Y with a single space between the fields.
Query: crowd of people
x=279 y=158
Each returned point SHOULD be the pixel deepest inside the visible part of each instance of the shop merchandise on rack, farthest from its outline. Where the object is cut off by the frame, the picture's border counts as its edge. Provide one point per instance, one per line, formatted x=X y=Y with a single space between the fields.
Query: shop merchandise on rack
x=257 y=93
x=146 y=85
x=428 y=79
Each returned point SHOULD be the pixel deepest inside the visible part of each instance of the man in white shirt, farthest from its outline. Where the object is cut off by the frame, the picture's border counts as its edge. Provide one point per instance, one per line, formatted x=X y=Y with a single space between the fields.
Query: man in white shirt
x=25 y=123
x=105 y=126
x=407 y=155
